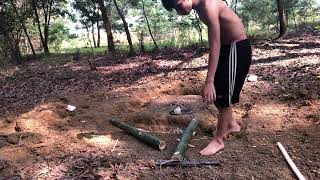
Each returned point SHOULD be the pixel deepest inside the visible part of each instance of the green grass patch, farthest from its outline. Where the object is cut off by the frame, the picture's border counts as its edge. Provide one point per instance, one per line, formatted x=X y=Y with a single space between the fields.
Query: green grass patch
x=149 y=46
x=84 y=50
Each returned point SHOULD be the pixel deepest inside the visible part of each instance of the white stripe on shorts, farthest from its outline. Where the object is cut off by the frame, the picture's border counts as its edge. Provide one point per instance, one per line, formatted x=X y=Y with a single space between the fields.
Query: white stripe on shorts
x=232 y=69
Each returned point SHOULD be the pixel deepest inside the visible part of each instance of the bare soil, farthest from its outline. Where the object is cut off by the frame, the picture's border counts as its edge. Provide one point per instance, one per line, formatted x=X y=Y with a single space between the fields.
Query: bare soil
x=39 y=139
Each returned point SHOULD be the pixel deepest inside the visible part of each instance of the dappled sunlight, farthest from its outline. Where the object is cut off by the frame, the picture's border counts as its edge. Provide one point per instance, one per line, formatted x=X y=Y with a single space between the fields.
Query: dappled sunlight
x=257 y=54
x=16 y=155
x=78 y=68
x=8 y=72
x=96 y=139
x=99 y=140
x=276 y=117
x=285 y=45
x=118 y=67
x=272 y=109
x=38 y=120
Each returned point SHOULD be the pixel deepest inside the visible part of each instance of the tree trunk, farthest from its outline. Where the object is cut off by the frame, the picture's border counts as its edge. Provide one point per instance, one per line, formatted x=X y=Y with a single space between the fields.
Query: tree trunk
x=147 y=138
x=16 y=55
x=107 y=25
x=18 y=52
x=141 y=40
x=295 y=22
x=45 y=46
x=199 y=29
x=126 y=28
x=98 y=28
x=200 y=32
x=47 y=14
x=24 y=28
x=46 y=35
x=14 y=48
x=88 y=36
x=93 y=37
x=282 y=19
x=91 y=63
x=99 y=36
x=145 y=16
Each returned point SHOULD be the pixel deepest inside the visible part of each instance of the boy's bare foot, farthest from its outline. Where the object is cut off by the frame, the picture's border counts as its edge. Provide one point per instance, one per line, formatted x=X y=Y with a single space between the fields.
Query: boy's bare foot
x=212 y=148
x=217 y=143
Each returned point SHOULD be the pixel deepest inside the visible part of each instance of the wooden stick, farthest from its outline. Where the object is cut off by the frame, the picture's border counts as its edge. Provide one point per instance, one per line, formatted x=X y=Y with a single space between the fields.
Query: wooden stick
x=147 y=138
x=20 y=140
x=290 y=162
x=179 y=154
x=190 y=145
x=115 y=144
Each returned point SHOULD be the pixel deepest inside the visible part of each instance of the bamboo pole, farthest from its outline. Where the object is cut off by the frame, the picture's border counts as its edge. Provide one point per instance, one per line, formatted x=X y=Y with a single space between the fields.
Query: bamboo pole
x=147 y=138
x=290 y=162
x=179 y=154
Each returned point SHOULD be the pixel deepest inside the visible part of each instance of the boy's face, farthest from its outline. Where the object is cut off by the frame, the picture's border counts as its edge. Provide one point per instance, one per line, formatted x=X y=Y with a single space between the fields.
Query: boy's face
x=183 y=7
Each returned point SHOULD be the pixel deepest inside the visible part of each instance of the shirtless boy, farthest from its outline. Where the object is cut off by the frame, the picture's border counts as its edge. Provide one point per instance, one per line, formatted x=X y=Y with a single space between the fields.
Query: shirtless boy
x=229 y=61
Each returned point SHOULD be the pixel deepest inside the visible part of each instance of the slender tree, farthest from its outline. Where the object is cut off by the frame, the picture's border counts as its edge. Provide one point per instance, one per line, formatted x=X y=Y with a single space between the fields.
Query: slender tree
x=37 y=18
x=98 y=27
x=47 y=9
x=148 y=24
x=89 y=17
x=11 y=31
x=107 y=24
x=99 y=36
x=93 y=34
x=22 y=21
x=125 y=25
x=282 y=19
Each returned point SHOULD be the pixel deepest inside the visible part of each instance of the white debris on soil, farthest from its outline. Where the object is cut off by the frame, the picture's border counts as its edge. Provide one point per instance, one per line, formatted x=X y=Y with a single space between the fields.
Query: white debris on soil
x=71 y=108
x=252 y=78
x=177 y=110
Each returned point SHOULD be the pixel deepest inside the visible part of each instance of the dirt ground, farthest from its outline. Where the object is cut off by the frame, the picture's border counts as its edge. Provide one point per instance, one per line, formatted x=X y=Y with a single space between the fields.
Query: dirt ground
x=39 y=139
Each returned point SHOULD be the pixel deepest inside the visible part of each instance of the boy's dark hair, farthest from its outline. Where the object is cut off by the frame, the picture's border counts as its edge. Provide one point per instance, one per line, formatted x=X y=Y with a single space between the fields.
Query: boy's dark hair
x=168 y=4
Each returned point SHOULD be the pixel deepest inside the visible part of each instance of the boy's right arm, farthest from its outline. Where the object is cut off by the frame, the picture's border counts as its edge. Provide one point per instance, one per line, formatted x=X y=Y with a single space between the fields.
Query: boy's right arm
x=209 y=93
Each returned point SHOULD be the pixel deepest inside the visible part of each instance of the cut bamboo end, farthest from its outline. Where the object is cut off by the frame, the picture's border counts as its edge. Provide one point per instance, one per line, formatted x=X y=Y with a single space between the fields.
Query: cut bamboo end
x=162 y=145
x=145 y=137
x=177 y=157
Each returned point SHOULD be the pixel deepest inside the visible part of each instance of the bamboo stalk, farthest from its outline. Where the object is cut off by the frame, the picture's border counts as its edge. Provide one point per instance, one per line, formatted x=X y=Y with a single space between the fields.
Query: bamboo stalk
x=179 y=154
x=147 y=138
x=290 y=162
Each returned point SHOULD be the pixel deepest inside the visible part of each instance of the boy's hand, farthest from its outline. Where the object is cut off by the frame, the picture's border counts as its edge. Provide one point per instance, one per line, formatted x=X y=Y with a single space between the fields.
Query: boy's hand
x=209 y=93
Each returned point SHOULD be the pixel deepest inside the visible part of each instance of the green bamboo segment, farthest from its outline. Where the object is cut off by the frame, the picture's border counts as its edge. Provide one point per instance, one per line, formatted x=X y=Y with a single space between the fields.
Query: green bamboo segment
x=179 y=154
x=147 y=138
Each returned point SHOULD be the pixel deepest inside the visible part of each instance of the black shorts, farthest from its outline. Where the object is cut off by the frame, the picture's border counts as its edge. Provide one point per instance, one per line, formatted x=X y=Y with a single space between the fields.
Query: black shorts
x=233 y=67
